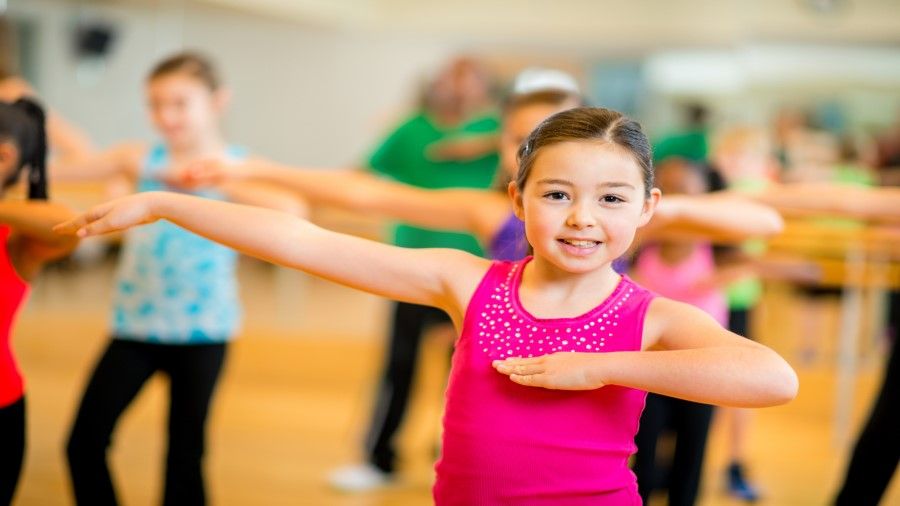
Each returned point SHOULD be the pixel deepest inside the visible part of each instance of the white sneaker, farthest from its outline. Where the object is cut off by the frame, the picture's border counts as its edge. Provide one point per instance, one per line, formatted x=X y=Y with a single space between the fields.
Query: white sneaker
x=359 y=478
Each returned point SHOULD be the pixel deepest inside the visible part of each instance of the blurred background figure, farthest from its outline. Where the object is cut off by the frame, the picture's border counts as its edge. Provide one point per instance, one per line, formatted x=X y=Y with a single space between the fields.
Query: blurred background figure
x=684 y=271
x=450 y=141
x=691 y=142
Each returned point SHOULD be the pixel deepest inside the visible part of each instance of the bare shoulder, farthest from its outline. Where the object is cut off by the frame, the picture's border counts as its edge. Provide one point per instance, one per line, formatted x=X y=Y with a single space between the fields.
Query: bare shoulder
x=667 y=318
x=461 y=273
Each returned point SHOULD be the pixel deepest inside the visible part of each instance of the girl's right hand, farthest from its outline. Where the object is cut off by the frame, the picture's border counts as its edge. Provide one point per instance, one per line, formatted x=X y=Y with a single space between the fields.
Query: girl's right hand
x=556 y=371
x=113 y=216
x=210 y=172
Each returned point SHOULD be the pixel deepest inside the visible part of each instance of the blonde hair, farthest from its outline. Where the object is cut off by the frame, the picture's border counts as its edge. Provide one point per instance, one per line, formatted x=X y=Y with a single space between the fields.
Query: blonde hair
x=741 y=140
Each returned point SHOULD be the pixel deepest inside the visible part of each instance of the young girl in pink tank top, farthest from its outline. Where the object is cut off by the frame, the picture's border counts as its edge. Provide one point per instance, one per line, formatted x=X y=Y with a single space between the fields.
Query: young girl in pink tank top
x=553 y=358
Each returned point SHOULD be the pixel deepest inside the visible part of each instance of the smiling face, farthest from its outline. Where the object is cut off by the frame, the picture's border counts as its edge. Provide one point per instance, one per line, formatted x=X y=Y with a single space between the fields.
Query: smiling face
x=183 y=109
x=582 y=203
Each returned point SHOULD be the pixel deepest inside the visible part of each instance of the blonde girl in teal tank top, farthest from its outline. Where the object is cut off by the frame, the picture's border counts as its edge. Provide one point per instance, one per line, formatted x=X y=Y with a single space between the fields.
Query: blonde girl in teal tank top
x=176 y=304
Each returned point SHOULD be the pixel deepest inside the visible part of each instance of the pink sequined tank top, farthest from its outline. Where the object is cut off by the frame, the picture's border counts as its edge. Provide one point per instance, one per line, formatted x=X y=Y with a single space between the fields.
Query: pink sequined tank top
x=506 y=443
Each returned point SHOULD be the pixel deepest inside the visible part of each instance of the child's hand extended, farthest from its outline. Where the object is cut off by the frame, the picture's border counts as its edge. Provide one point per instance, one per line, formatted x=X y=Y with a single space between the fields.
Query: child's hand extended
x=557 y=371
x=462 y=148
x=112 y=216
x=206 y=173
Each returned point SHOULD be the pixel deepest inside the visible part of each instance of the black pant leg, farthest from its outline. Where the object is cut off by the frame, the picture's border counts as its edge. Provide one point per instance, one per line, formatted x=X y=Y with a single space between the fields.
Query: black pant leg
x=877 y=452
x=12 y=451
x=654 y=420
x=119 y=375
x=690 y=420
x=739 y=322
x=193 y=372
x=408 y=324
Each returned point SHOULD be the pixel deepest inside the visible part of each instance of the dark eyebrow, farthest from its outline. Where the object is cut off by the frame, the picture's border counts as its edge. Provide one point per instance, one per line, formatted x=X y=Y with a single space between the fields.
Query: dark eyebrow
x=555 y=181
x=616 y=184
x=611 y=184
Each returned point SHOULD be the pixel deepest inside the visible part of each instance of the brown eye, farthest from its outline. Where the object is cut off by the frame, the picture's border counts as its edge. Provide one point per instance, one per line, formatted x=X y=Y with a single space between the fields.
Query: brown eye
x=556 y=195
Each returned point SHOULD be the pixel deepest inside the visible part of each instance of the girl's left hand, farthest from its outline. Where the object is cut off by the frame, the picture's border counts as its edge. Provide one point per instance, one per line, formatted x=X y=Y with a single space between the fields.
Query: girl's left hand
x=112 y=216
x=557 y=371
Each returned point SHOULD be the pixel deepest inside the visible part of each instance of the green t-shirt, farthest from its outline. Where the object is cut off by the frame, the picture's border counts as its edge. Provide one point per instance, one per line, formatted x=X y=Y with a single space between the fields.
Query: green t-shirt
x=851 y=175
x=402 y=156
x=692 y=145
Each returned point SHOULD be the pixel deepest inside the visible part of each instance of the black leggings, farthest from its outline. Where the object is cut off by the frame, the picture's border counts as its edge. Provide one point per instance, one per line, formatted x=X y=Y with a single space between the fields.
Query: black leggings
x=689 y=421
x=877 y=451
x=408 y=326
x=193 y=372
x=12 y=450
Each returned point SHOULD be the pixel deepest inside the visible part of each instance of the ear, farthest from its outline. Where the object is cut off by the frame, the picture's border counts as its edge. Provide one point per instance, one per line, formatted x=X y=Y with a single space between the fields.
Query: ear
x=516 y=197
x=222 y=99
x=649 y=206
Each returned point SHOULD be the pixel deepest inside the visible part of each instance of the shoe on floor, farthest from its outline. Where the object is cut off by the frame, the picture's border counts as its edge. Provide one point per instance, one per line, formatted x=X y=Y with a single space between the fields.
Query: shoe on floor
x=738 y=486
x=359 y=478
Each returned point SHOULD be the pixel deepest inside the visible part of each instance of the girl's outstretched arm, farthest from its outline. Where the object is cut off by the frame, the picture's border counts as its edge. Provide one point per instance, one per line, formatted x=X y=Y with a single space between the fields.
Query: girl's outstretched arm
x=33 y=242
x=437 y=277
x=257 y=194
x=875 y=204
x=716 y=217
x=35 y=219
x=461 y=209
x=65 y=138
x=123 y=159
x=698 y=361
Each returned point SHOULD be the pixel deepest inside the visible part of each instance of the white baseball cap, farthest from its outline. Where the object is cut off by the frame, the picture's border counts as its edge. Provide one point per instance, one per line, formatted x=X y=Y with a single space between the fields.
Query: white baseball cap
x=536 y=79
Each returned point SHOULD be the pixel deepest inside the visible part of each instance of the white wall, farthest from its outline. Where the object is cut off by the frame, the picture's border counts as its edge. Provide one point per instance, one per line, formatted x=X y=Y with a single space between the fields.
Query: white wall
x=322 y=92
x=302 y=94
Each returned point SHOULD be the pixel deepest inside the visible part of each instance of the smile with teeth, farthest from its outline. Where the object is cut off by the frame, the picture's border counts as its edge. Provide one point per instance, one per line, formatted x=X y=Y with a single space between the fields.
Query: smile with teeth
x=580 y=243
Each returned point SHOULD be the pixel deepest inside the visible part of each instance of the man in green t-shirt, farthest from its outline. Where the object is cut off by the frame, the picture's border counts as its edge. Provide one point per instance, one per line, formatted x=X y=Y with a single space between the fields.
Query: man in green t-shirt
x=410 y=155
x=450 y=142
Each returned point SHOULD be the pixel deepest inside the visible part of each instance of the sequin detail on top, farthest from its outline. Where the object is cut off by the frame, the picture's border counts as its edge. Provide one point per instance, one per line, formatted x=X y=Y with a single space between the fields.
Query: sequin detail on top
x=503 y=334
x=505 y=443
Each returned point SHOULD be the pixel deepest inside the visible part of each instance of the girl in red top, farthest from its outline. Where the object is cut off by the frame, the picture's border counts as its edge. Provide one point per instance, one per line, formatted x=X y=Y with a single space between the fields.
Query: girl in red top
x=27 y=243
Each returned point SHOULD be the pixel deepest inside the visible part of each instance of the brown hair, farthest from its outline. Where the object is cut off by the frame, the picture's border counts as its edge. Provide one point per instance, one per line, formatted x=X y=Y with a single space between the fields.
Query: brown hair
x=588 y=123
x=190 y=63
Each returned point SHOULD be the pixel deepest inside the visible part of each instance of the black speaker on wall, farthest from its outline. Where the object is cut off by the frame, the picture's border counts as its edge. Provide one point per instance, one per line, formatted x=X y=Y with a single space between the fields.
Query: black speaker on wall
x=93 y=40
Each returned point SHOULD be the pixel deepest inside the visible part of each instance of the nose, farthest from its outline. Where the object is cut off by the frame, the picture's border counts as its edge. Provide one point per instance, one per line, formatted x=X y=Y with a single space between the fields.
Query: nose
x=580 y=216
